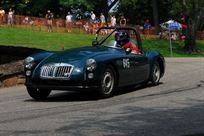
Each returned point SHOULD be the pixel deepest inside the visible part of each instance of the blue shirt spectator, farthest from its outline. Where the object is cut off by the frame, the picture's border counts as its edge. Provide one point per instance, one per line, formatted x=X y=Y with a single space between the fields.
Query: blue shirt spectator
x=147 y=24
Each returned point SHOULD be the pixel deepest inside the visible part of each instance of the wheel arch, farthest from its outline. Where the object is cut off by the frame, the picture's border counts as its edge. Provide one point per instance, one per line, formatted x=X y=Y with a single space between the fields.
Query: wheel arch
x=161 y=63
x=115 y=70
x=154 y=57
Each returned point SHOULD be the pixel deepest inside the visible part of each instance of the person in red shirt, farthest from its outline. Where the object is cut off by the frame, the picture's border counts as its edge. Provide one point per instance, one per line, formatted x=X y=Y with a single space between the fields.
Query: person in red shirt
x=184 y=26
x=123 y=40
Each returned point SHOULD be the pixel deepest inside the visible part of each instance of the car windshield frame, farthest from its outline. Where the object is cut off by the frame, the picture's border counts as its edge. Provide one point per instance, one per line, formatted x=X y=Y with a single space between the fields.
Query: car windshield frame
x=112 y=30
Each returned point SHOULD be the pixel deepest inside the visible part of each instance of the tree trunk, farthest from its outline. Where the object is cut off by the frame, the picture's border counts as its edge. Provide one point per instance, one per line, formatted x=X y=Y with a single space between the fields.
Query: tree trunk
x=155 y=15
x=190 y=42
x=195 y=13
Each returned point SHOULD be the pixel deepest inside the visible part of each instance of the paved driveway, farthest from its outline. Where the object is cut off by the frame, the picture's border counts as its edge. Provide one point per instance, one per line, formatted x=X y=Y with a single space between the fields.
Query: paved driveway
x=174 y=108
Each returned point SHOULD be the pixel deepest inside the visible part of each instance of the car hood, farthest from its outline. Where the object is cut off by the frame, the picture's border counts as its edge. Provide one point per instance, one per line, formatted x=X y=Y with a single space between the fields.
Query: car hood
x=78 y=55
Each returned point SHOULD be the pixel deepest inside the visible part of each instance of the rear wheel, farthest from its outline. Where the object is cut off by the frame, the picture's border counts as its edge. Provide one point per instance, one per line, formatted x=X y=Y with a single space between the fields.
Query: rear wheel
x=38 y=94
x=156 y=74
x=107 y=83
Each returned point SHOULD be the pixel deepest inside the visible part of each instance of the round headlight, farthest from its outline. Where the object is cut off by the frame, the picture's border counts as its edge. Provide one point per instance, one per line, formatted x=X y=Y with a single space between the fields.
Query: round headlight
x=90 y=75
x=29 y=60
x=90 y=64
x=28 y=73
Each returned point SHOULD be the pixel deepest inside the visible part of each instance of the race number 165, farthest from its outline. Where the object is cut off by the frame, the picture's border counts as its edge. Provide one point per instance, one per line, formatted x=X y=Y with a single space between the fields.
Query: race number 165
x=126 y=63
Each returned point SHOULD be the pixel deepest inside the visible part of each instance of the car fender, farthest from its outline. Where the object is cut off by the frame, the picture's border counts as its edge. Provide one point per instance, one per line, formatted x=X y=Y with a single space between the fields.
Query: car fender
x=154 y=57
x=38 y=57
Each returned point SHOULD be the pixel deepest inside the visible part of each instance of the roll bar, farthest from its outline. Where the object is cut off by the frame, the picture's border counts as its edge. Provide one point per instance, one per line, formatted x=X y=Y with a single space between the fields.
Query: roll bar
x=98 y=43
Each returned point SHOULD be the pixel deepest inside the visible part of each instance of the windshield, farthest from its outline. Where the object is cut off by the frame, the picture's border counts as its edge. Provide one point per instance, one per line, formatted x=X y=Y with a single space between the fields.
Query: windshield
x=108 y=37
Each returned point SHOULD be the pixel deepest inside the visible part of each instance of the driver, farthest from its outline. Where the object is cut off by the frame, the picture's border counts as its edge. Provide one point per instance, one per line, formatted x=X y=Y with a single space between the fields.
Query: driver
x=123 y=40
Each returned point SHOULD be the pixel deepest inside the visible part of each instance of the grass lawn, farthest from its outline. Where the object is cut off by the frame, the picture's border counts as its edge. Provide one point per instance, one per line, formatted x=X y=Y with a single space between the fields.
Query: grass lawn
x=56 y=41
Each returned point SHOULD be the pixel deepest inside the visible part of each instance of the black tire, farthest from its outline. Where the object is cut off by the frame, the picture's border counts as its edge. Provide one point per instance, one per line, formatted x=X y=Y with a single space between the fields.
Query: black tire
x=38 y=94
x=155 y=74
x=107 y=83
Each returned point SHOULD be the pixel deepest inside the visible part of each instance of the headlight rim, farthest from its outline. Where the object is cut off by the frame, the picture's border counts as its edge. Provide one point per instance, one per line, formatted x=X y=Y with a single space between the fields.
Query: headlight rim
x=90 y=64
x=29 y=62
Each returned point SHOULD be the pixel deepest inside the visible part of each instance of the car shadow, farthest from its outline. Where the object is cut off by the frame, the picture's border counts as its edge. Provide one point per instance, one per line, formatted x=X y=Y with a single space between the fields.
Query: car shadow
x=130 y=89
x=200 y=134
x=68 y=96
x=74 y=96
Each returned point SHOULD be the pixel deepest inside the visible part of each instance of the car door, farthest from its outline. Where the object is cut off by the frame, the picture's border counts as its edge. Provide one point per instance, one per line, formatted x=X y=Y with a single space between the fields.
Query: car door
x=140 y=66
x=133 y=68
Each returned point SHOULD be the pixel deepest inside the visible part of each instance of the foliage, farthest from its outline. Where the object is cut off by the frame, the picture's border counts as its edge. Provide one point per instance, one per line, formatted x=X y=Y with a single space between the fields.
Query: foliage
x=84 y=6
x=58 y=7
x=136 y=11
x=194 y=12
x=77 y=3
x=31 y=7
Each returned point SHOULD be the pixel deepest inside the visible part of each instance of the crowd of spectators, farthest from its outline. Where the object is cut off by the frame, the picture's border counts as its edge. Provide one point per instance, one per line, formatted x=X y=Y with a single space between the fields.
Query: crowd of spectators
x=89 y=26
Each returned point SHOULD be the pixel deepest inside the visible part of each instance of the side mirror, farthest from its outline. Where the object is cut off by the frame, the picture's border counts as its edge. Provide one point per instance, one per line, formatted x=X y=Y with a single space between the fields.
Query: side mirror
x=95 y=43
x=128 y=50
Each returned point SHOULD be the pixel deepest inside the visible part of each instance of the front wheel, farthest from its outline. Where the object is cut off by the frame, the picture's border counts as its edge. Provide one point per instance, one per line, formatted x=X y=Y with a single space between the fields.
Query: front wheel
x=107 y=83
x=38 y=94
x=155 y=74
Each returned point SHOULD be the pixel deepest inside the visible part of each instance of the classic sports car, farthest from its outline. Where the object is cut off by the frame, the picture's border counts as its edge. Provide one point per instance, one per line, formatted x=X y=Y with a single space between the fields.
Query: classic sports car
x=102 y=67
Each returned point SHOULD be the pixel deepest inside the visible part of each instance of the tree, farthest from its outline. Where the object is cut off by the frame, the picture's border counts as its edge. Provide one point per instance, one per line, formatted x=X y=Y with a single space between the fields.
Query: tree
x=97 y=6
x=31 y=7
x=135 y=11
x=194 y=12
x=155 y=15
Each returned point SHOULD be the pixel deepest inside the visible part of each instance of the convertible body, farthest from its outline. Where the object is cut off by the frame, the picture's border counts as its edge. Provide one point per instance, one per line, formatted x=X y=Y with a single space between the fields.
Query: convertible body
x=98 y=67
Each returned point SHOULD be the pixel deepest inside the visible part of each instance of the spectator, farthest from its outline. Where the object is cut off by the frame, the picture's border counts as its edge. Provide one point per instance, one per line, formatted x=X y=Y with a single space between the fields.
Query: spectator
x=28 y=21
x=147 y=25
x=102 y=20
x=49 y=16
x=11 y=17
x=123 y=21
x=184 y=27
x=113 y=21
x=93 y=17
x=86 y=27
x=69 y=22
x=2 y=13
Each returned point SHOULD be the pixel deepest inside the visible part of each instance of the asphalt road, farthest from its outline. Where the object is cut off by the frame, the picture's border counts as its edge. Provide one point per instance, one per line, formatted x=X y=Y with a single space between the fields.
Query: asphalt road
x=174 y=108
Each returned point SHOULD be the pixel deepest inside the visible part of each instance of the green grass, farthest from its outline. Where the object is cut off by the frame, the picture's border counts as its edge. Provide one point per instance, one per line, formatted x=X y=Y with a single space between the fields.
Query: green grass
x=42 y=40
x=163 y=46
x=56 y=41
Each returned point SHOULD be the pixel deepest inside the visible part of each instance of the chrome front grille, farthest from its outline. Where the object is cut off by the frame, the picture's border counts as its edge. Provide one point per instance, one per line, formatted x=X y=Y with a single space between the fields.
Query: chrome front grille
x=56 y=71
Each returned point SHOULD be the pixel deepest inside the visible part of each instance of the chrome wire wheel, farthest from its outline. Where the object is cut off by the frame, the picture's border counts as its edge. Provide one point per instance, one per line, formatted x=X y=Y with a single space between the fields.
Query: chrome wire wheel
x=107 y=83
x=156 y=73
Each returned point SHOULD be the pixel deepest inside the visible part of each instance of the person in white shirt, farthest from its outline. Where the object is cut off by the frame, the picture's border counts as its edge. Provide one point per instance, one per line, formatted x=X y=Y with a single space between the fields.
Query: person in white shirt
x=113 y=21
x=49 y=17
x=69 y=22
x=10 y=17
x=93 y=17
x=102 y=20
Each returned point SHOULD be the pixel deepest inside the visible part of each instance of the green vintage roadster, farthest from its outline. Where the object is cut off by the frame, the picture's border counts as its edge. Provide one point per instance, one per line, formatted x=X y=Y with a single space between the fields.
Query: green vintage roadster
x=102 y=67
